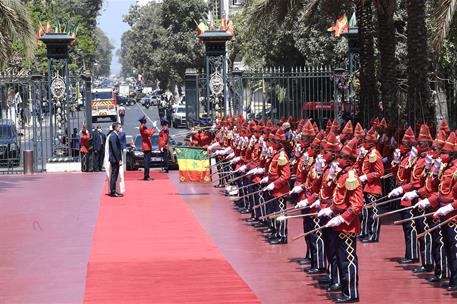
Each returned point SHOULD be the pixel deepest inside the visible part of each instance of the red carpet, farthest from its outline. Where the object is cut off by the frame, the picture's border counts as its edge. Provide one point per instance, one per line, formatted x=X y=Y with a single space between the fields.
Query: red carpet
x=149 y=248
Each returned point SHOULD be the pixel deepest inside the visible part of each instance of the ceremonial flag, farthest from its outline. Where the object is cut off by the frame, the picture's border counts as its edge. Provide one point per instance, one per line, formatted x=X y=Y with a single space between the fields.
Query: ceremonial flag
x=193 y=165
x=201 y=28
x=341 y=26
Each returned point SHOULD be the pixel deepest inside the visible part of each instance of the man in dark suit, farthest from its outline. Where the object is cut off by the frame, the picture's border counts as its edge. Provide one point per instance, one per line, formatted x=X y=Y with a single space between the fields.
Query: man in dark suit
x=99 y=148
x=115 y=158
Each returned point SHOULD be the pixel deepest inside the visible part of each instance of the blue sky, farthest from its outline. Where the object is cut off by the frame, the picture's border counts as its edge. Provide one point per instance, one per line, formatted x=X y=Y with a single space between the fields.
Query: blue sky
x=111 y=23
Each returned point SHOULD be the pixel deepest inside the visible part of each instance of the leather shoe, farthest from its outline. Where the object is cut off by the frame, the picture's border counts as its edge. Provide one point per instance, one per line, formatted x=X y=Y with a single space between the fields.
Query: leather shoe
x=314 y=270
x=147 y=179
x=267 y=230
x=434 y=279
x=408 y=261
x=452 y=288
x=115 y=194
x=272 y=236
x=369 y=240
x=245 y=211
x=278 y=241
x=324 y=281
x=304 y=261
x=421 y=269
x=251 y=220
x=346 y=299
x=334 y=287
x=258 y=225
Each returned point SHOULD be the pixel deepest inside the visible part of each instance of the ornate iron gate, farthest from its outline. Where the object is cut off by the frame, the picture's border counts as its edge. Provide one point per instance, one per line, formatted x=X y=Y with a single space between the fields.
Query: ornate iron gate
x=318 y=93
x=34 y=118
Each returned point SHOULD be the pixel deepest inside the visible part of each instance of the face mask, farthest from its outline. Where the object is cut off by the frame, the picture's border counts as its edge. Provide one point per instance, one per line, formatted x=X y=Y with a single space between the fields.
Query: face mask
x=404 y=149
x=311 y=152
x=434 y=154
x=421 y=150
x=445 y=158
x=328 y=157
x=342 y=163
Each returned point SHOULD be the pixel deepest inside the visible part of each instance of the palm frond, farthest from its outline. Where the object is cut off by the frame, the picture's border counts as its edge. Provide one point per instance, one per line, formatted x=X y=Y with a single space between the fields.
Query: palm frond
x=15 y=27
x=309 y=10
x=444 y=14
x=262 y=12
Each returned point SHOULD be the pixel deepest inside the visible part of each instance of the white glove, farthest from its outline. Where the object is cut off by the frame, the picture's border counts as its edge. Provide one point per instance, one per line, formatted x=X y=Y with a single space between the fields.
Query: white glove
x=437 y=166
x=409 y=196
x=428 y=161
x=443 y=210
x=264 y=180
x=296 y=189
x=397 y=155
x=252 y=171
x=154 y=123
x=325 y=212
x=396 y=192
x=242 y=168
x=422 y=204
x=270 y=187
x=332 y=170
x=259 y=170
x=301 y=204
x=218 y=152
x=362 y=152
x=231 y=155
x=336 y=221
x=213 y=146
x=316 y=204
x=412 y=153
x=235 y=160
x=363 y=178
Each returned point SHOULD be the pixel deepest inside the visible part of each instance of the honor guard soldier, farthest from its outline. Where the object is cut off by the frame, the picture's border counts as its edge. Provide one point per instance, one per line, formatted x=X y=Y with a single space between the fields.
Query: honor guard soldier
x=146 y=145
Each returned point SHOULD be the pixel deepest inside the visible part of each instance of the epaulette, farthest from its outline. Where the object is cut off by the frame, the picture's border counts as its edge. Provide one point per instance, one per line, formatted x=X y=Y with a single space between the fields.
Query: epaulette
x=373 y=157
x=310 y=160
x=282 y=159
x=351 y=182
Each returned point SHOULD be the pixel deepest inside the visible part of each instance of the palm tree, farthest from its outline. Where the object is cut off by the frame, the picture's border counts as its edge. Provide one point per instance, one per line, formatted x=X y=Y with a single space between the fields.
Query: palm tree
x=15 y=27
x=385 y=10
x=419 y=106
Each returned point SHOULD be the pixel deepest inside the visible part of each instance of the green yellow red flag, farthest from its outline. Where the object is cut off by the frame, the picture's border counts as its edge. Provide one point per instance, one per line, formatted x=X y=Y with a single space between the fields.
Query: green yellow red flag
x=194 y=166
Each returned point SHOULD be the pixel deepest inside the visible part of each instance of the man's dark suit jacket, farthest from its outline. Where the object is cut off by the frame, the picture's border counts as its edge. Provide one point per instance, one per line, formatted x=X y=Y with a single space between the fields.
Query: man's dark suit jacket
x=115 y=155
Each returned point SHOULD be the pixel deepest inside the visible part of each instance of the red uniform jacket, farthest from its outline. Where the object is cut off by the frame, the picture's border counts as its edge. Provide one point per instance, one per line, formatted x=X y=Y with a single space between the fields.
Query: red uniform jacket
x=163 y=138
x=312 y=183
x=447 y=190
x=301 y=175
x=146 y=133
x=327 y=189
x=418 y=176
x=402 y=172
x=84 y=140
x=279 y=174
x=373 y=168
x=348 y=200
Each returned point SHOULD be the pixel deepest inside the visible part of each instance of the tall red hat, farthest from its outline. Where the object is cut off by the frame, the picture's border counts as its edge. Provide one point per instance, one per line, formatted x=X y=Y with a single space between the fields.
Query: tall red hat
x=280 y=135
x=449 y=145
x=371 y=136
x=424 y=134
x=445 y=127
x=359 y=132
x=331 y=143
x=316 y=128
x=375 y=122
x=308 y=129
x=350 y=148
x=335 y=127
x=317 y=140
x=328 y=126
x=439 y=140
x=348 y=130
x=409 y=137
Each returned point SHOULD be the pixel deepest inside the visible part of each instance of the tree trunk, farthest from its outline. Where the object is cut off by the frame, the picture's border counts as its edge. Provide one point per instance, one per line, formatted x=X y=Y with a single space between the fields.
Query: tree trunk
x=368 y=89
x=388 y=71
x=419 y=106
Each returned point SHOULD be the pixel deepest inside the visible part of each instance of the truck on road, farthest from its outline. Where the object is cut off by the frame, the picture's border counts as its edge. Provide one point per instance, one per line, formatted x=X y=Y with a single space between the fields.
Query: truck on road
x=104 y=104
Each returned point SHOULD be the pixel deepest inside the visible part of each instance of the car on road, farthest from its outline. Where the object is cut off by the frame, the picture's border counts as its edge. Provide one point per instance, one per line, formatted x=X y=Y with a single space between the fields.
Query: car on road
x=10 y=145
x=135 y=157
x=146 y=101
x=178 y=118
